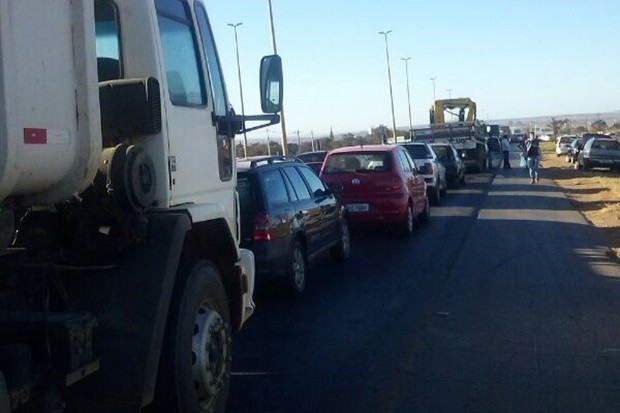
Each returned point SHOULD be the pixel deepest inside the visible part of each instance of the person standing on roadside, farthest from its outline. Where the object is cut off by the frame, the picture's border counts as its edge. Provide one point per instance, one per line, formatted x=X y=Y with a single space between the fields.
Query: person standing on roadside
x=506 y=150
x=532 y=151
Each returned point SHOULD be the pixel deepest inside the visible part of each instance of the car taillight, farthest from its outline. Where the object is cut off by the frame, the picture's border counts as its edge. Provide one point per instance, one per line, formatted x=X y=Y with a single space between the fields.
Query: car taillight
x=261 y=227
x=429 y=168
x=396 y=183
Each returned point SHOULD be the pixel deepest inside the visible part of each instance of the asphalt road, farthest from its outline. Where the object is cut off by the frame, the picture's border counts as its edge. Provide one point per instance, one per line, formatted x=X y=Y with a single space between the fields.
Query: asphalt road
x=504 y=302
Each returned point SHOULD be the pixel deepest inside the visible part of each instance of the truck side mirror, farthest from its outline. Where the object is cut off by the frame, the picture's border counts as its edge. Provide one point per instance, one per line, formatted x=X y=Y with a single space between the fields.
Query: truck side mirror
x=271 y=84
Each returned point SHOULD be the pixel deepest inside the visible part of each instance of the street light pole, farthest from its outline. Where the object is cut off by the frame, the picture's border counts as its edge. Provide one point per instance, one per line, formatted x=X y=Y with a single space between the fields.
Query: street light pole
x=406 y=60
x=387 y=56
x=449 y=93
x=434 y=95
x=275 y=51
x=245 y=136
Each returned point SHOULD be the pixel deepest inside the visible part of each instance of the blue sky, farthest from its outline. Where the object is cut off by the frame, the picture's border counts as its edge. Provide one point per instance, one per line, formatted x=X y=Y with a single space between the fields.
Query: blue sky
x=514 y=58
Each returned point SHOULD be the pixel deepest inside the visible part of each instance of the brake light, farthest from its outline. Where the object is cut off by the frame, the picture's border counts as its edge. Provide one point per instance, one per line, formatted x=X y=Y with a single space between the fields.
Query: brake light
x=396 y=183
x=262 y=227
x=429 y=168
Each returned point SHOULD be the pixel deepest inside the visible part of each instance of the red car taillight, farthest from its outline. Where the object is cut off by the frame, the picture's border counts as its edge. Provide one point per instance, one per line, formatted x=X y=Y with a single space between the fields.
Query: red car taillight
x=261 y=227
x=396 y=184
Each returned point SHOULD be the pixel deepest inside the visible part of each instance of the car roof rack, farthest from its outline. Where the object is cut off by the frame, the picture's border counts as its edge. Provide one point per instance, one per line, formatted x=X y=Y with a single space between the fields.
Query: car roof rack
x=271 y=159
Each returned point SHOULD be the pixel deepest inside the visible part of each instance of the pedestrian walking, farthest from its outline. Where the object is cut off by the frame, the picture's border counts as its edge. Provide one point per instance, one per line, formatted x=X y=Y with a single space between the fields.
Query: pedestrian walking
x=532 y=151
x=506 y=150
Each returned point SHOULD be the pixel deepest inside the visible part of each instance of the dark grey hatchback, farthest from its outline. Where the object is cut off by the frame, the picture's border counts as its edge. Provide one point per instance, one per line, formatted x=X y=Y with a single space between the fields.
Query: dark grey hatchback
x=288 y=217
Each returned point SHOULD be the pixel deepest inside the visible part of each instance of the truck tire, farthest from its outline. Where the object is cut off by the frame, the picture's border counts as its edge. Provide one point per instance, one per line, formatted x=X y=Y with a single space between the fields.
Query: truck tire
x=342 y=251
x=195 y=372
x=296 y=269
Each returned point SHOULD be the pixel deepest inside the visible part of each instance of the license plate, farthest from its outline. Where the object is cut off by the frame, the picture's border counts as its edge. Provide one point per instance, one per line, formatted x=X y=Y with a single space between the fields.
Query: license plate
x=357 y=207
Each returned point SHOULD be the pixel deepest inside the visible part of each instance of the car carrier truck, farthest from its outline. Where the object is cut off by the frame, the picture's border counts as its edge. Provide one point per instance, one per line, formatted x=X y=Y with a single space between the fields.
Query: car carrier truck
x=121 y=279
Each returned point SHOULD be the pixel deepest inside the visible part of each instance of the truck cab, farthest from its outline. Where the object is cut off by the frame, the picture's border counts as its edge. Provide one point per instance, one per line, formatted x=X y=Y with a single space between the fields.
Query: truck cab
x=121 y=276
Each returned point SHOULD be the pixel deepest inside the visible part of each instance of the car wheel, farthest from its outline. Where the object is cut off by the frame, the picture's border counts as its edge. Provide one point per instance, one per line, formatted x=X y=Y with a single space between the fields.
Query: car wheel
x=342 y=251
x=425 y=216
x=585 y=165
x=296 y=271
x=196 y=360
x=407 y=226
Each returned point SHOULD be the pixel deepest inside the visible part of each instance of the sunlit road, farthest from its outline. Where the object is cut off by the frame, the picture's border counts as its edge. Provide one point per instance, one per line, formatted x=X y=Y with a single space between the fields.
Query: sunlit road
x=505 y=302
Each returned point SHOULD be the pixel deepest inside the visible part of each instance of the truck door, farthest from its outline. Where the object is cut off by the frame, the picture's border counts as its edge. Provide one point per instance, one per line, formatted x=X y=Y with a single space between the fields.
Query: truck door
x=201 y=161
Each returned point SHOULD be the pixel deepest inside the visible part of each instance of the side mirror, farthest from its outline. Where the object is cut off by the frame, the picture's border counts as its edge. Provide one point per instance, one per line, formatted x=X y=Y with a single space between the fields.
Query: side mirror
x=271 y=84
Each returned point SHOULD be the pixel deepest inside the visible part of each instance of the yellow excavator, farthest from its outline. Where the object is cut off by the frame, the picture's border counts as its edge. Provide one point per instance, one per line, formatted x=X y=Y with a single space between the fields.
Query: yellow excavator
x=463 y=108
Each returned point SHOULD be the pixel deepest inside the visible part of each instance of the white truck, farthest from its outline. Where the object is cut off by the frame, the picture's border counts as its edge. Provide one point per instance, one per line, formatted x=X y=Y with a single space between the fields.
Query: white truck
x=121 y=279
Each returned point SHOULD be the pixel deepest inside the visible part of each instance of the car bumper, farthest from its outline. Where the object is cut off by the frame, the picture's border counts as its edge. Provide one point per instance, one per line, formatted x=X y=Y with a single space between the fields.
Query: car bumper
x=602 y=162
x=387 y=209
x=271 y=257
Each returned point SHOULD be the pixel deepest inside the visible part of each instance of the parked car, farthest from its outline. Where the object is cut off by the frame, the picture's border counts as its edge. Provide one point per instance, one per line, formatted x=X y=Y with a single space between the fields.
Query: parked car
x=572 y=151
x=288 y=217
x=433 y=172
x=313 y=159
x=377 y=184
x=562 y=145
x=449 y=158
x=578 y=145
x=600 y=152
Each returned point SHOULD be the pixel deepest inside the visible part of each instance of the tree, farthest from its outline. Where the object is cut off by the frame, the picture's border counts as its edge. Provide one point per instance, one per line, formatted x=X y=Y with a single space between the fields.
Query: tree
x=616 y=126
x=581 y=129
x=598 y=125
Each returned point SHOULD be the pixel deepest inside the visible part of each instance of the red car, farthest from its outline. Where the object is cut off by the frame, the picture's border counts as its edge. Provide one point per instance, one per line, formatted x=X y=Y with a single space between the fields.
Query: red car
x=377 y=184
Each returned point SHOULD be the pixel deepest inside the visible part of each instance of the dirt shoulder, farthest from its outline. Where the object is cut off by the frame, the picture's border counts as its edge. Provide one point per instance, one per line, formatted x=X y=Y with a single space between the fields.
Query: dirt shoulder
x=595 y=193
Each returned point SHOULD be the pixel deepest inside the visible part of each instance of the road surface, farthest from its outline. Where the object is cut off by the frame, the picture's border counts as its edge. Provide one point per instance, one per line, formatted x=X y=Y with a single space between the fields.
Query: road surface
x=505 y=302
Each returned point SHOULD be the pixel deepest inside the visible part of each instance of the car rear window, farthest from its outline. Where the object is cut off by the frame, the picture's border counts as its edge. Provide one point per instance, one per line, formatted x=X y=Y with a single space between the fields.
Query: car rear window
x=312 y=157
x=442 y=152
x=418 y=151
x=358 y=162
x=605 y=144
x=566 y=139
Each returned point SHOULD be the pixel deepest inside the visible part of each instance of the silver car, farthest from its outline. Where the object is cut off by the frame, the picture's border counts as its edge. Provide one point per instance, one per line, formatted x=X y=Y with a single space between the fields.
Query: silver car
x=428 y=165
x=603 y=152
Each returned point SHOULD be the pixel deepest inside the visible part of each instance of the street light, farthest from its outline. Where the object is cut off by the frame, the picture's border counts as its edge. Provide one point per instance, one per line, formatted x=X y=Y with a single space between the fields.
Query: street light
x=449 y=93
x=245 y=136
x=387 y=56
x=406 y=60
x=434 y=96
x=275 y=51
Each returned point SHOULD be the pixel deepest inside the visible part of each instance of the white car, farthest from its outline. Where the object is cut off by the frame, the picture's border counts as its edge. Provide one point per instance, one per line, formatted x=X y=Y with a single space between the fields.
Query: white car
x=428 y=165
x=562 y=145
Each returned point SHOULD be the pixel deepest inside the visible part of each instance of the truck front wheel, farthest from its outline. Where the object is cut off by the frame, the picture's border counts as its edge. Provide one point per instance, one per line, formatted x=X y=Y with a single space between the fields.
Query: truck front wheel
x=197 y=359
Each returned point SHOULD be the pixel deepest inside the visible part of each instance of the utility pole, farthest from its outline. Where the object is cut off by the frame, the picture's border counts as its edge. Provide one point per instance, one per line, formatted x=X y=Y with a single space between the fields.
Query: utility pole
x=245 y=136
x=268 y=143
x=312 y=136
x=406 y=60
x=275 y=51
x=387 y=56
x=449 y=93
x=433 y=79
x=298 y=143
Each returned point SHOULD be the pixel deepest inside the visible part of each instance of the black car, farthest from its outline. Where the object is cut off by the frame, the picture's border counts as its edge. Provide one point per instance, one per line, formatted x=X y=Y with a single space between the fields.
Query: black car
x=313 y=159
x=288 y=217
x=449 y=158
